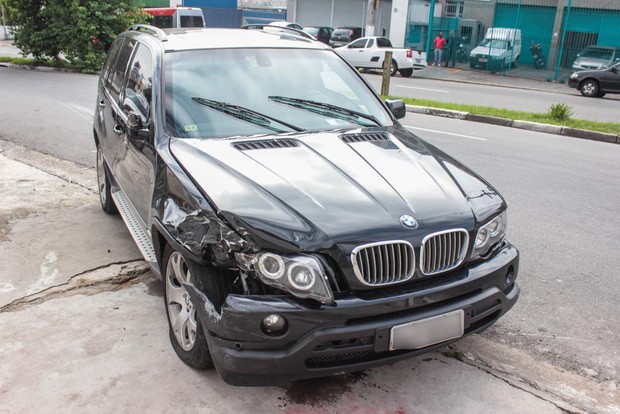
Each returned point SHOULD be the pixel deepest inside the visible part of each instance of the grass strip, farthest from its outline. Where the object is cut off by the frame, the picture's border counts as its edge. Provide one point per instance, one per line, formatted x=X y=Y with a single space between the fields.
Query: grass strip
x=55 y=63
x=543 y=118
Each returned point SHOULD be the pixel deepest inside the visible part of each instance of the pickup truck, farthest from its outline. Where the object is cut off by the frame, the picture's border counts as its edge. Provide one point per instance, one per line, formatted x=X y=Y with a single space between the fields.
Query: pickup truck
x=369 y=53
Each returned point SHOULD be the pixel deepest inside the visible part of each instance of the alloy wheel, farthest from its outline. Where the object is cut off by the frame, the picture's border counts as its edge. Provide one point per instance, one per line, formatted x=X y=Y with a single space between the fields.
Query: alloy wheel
x=181 y=310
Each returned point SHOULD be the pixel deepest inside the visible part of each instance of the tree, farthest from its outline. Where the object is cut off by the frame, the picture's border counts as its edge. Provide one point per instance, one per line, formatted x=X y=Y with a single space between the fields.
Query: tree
x=79 y=31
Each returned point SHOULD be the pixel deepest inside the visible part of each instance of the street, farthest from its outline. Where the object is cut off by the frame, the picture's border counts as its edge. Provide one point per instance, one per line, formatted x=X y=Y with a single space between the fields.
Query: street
x=562 y=195
x=593 y=109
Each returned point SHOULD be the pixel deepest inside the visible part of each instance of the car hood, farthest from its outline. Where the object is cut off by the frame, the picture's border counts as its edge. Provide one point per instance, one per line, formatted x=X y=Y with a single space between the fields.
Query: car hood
x=308 y=191
x=591 y=63
x=485 y=51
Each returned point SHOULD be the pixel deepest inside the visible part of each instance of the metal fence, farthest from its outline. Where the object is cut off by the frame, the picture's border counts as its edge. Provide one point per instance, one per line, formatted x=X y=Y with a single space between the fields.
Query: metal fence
x=541 y=39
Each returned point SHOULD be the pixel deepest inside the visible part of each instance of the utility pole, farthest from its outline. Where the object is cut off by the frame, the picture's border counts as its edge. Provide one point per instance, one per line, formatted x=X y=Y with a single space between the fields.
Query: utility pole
x=371 y=13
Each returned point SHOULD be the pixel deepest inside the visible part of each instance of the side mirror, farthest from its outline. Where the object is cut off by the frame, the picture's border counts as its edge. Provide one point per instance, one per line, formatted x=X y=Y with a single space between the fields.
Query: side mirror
x=396 y=107
x=135 y=127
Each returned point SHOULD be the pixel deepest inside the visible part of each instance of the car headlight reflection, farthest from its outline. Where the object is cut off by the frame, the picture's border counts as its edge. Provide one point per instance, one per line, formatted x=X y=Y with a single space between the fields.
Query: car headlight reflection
x=302 y=276
x=489 y=235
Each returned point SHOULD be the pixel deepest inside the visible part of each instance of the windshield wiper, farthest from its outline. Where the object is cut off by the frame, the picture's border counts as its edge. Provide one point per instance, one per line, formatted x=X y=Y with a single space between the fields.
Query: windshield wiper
x=326 y=109
x=245 y=114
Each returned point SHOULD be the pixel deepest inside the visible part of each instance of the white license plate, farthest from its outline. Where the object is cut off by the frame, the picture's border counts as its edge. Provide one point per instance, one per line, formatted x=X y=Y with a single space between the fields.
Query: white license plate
x=418 y=61
x=483 y=59
x=426 y=332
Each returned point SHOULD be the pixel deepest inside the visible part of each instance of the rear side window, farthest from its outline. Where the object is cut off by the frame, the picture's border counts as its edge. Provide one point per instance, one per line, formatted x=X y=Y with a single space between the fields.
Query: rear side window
x=117 y=74
x=111 y=58
x=163 y=22
x=191 y=21
x=139 y=89
x=383 y=42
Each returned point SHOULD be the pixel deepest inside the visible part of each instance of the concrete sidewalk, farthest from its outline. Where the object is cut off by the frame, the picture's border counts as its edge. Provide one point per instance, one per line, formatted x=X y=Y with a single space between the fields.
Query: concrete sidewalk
x=84 y=329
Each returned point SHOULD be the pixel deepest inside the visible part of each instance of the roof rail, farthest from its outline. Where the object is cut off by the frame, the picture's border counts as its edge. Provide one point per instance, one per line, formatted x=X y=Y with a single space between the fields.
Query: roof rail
x=291 y=30
x=152 y=30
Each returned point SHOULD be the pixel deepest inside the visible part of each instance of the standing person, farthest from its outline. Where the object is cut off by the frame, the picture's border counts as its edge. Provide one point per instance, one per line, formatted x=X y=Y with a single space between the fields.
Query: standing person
x=440 y=42
x=451 y=46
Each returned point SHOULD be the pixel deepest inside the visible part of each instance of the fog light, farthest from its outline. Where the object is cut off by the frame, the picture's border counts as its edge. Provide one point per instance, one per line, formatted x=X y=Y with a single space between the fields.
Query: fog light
x=274 y=324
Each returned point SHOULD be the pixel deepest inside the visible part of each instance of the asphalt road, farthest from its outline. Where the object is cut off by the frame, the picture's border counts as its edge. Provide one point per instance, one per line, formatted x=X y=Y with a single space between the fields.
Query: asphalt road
x=563 y=197
x=606 y=109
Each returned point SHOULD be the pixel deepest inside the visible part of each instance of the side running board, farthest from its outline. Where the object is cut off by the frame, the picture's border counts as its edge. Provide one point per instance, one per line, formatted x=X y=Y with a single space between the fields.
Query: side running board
x=132 y=221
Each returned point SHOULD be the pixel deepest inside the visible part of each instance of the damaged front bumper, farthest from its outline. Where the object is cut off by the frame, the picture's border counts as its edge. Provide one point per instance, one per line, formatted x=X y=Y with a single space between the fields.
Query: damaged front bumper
x=353 y=333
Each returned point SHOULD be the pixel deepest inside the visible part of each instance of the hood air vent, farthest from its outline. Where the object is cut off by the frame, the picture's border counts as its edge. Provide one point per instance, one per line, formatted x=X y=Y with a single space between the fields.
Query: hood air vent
x=266 y=144
x=353 y=138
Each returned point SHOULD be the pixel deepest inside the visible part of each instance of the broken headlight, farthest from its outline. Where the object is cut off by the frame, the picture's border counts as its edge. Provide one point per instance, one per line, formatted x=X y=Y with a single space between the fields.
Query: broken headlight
x=489 y=235
x=302 y=276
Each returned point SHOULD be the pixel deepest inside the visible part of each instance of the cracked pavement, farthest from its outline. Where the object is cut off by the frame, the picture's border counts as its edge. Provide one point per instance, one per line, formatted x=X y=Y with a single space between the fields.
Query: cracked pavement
x=83 y=328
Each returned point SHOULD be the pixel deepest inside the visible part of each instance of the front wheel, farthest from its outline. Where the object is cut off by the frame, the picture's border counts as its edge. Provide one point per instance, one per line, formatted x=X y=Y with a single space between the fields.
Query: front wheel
x=185 y=330
x=393 y=68
x=589 y=88
x=405 y=73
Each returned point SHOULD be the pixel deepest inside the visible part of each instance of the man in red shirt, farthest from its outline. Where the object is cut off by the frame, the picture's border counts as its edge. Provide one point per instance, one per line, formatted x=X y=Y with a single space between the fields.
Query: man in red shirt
x=440 y=42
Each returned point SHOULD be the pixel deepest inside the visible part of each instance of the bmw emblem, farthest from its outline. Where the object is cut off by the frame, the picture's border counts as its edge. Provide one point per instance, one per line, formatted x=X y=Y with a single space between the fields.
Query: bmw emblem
x=408 y=221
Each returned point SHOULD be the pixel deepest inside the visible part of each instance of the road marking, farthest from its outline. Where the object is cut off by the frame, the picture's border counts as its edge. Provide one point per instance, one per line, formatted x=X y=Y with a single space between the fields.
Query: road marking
x=82 y=112
x=423 y=89
x=445 y=133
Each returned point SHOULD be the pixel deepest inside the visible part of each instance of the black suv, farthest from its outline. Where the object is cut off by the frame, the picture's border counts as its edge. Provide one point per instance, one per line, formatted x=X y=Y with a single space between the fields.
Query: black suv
x=299 y=229
x=345 y=35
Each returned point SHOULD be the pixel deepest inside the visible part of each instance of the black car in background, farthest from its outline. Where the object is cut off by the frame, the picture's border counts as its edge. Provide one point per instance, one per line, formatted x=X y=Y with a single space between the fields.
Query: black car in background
x=299 y=229
x=596 y=83
x=320 y=33
x=345 y=35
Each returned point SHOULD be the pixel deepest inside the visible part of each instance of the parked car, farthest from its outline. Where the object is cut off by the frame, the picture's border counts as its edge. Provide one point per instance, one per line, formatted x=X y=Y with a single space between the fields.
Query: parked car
x=596 y=57
x=175 y=17
x=596 y=83
x=284 y=23
x=320 y=33
x=369 y=53
x=300 y=230
x=499 y=49
x=344 y=35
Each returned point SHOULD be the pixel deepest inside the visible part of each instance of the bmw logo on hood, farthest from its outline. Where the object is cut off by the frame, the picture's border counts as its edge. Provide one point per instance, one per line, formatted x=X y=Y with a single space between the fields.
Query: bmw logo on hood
x=408 y=221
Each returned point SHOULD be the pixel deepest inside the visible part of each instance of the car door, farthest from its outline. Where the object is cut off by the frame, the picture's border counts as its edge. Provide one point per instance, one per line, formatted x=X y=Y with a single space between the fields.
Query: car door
x=109 y=103
x=135 y=169
x=354 y=52
x=610 y=79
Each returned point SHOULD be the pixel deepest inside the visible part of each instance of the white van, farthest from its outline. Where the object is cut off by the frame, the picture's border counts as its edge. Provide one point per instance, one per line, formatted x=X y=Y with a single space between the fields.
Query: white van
x=500 y=48
x=173 y=17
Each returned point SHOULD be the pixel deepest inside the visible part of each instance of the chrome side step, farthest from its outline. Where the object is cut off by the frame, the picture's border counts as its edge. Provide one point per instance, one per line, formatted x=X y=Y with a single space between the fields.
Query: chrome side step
x=132 y=221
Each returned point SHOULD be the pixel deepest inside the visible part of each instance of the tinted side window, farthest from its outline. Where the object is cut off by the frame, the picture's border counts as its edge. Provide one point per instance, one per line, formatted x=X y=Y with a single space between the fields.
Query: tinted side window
x=139 y=89
x=191 y=21
x=117 y=75
x=110 y=59
x=383 y=42
x=358 y=44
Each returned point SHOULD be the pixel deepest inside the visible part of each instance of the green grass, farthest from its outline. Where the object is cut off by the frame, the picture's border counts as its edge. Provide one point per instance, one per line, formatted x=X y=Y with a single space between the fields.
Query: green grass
x=543 y=118
x=55 y=63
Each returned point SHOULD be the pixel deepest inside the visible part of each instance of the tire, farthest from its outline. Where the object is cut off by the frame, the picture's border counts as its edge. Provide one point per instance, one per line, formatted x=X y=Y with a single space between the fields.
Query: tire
x=601 y=94
x=393 y=68
x=472 y=64
x=589 y=88
x=103 y=184
x=461 y=55
x=405 y=73
x=186 y=334
x=514 y=64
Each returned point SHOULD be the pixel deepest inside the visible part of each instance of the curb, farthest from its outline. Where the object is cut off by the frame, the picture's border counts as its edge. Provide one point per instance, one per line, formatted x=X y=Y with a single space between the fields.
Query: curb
x=530 y=126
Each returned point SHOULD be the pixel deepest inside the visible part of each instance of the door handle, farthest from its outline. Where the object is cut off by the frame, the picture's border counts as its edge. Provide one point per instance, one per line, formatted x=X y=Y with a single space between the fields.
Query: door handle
x=102 y=104
x=117 y=129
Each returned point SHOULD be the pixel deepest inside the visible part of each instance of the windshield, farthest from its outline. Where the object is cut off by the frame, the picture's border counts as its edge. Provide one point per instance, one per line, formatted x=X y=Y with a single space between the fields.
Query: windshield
x=235 y=92
x=597 y=53
x=494 y=43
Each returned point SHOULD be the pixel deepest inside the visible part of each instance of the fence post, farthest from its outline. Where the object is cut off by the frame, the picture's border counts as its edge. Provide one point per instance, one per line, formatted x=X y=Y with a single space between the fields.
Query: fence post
x=514 y=36
x=564 y=27
x=387 y=72
x=430 y=30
